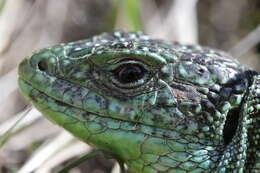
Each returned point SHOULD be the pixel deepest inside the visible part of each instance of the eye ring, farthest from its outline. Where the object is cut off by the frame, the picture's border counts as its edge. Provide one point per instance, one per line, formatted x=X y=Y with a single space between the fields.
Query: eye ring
x=130 y=74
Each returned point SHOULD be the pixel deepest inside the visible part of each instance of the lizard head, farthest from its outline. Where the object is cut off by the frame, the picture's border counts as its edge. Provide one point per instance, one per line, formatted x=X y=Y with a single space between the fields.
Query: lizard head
x=157 y=105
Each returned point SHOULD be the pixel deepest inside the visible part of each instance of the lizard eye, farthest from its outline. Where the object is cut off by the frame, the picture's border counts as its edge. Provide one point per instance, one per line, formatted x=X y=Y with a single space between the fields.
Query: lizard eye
x=129 y=73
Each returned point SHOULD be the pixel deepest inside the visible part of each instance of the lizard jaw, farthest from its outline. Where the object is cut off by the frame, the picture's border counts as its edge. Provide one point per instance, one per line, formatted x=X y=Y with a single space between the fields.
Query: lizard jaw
x=45 y=103
x=102 y=132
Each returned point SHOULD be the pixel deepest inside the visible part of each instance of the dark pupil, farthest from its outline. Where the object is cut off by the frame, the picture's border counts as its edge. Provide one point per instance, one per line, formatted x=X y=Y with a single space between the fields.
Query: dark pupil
x=130 y=73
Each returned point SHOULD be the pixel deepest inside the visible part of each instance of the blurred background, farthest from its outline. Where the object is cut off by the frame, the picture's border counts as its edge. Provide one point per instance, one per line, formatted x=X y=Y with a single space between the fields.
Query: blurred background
x=32 y=144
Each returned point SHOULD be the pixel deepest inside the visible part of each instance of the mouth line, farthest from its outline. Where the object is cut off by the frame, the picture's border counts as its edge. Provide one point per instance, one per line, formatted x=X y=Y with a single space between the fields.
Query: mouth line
x=61 y=103
x=159 y=132
x=57 y=101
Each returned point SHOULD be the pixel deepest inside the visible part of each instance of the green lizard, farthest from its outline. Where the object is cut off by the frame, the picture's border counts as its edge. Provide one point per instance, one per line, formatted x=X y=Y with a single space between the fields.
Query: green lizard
x=159 y=106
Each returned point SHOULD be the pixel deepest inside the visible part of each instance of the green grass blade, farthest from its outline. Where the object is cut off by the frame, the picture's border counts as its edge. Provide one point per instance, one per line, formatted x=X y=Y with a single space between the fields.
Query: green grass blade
x=133 y=8
x=125 y=14
x=10 y=132
x=2 y=4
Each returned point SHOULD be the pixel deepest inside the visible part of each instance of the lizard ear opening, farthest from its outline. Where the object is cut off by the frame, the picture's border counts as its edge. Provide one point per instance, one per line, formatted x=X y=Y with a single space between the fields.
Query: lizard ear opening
x=230 y=126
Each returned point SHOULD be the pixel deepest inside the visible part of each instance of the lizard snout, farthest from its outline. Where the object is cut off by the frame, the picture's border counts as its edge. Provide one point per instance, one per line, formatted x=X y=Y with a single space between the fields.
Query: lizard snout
x=45 y=62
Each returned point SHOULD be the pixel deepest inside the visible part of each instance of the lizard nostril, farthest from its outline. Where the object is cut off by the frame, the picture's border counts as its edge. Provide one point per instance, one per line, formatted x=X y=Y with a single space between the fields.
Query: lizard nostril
x=43 y=65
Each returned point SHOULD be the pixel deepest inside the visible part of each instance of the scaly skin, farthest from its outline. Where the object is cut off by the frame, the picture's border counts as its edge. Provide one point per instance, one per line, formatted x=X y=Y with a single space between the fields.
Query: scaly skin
x=158 y=106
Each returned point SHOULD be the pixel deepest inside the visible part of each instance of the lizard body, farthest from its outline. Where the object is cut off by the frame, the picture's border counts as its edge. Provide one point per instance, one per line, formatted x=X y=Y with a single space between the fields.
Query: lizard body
x=158 y=106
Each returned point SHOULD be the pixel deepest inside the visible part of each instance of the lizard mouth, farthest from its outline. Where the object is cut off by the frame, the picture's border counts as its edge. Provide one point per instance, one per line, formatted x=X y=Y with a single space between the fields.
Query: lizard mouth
x=39 y=97
x=56 y=110
x=36 y=95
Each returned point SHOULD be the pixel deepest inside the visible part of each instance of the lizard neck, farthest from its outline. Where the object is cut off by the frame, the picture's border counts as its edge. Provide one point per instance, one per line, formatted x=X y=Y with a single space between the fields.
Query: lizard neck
x=252 y=108
x=244 y=148
x=236 y=150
